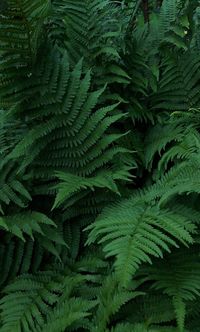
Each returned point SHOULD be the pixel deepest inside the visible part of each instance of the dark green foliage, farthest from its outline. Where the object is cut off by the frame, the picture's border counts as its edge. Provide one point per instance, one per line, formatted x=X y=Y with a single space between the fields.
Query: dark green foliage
x=20 y=33
x=100 y=166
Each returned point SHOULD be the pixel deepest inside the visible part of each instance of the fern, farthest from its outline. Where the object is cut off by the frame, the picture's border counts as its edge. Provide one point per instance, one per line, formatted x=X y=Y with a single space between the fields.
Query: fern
x=28 y=223
x=82 y=36
x=178 y=276
x=99 y=169
x=21 y=25
x=168 y=26
x=133 y=231
x=179 y=81
x=71 y=184
x=110 y=300
x=28 y=301
x=31 y=295
x=69 y=118
x=18 y=257
x=158 y=138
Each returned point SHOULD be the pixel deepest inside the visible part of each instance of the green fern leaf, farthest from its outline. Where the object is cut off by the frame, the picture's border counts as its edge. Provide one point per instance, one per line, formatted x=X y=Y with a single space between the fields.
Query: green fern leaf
x=178 y=276
x=132 y=232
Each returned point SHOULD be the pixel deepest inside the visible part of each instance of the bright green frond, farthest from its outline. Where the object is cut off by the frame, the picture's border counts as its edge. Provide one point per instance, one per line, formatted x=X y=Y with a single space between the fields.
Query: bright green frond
x=133 y=232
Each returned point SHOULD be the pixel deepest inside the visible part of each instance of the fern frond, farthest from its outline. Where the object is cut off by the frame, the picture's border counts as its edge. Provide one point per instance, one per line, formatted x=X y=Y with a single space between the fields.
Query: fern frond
x=71 y=184
x=179 y=81
x=31 y=223
x=93 y=30
x=178 y=276
x=133 y=231
x=18 y=257
x=86 y=144
x=111 y=299
x=183 y=149
x=12 y=188
x=168 y=26
x=20 y=32
x=25 y=223
x=157 y=139
x=90 y=28
x=71 y=311
x=127 y=327
x=28 y=302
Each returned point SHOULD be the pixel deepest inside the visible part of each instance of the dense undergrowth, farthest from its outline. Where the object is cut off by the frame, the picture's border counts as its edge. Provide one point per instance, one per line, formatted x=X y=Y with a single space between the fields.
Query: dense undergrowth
x=100 y=166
